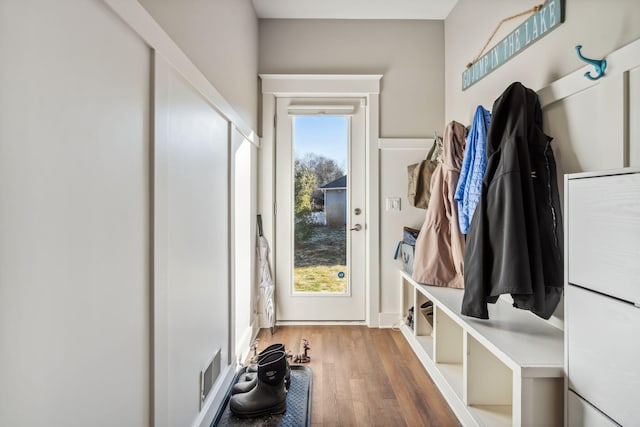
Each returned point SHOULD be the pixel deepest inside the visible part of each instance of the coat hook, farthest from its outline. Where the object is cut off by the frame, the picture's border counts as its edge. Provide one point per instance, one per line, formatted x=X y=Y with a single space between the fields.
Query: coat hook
x=599 y=64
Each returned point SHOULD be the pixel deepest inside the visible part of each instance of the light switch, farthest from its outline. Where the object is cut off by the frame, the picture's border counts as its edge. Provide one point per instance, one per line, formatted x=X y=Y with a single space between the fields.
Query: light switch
x=393 y=204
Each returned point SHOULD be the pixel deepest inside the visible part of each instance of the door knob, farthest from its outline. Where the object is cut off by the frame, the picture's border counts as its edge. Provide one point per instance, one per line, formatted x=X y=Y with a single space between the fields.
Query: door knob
x=357 y=227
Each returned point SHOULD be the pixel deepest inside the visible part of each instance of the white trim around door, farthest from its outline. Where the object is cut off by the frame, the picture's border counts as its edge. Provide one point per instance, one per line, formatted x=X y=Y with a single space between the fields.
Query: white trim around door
x=329 y=86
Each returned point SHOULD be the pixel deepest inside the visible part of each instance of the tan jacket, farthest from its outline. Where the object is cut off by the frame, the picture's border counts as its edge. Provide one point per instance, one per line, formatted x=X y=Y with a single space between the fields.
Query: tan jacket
x=439 y=253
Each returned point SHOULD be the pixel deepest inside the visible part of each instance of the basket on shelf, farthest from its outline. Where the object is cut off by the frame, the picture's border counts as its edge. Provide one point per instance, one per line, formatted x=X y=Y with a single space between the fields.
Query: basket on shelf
x=406 y=248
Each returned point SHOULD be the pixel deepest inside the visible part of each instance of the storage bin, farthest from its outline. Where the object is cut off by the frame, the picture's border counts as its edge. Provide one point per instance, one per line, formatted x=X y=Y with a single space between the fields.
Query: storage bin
x=406 y=248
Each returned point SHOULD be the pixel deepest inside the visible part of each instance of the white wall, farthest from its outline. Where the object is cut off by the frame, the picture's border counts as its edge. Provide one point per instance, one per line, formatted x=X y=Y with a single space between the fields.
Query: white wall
x=74 y=217
x=410 y=56
x=86 y=338
x=600 y=26
x=587 y=127
x=221 y=38
x=409 y=53
x=394 y=183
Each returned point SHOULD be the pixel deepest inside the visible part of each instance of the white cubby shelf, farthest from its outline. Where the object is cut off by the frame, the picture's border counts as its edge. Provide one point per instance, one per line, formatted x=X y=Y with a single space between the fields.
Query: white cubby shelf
x=504 y=371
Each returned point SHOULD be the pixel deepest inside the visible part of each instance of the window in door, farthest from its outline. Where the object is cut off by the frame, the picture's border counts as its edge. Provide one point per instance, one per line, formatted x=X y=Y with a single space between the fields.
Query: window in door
x=320 y=154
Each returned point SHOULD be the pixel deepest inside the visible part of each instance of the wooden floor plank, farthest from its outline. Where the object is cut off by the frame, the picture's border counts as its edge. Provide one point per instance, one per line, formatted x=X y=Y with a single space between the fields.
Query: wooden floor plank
x=365 y=377
x=393 y=411
x=329 y=396
x=360 y=402
x=404 y=394
x=413 y=379
x=316 y=340
x=344 y=372
x=423 y=381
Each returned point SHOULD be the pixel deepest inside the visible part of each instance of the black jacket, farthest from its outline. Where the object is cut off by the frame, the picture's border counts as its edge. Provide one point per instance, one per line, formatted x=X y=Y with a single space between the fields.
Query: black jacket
x=515 y=239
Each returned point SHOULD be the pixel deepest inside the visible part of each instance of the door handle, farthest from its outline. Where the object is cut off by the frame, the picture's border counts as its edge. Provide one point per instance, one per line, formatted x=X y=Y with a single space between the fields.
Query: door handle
x=357 y=227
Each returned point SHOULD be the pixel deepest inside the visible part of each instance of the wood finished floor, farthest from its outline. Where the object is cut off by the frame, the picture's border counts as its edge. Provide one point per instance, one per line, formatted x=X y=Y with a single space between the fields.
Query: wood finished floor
x=365 y=377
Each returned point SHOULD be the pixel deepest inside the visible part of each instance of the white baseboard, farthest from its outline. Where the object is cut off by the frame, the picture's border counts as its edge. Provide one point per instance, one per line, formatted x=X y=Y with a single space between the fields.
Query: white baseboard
x=264 y=322
x=321 y=322
x=389 y=320
x=243 y=344
x=385 y=320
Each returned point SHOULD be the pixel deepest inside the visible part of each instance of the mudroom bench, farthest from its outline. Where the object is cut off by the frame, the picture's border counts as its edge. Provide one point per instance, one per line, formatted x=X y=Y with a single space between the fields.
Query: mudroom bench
x=505 y=371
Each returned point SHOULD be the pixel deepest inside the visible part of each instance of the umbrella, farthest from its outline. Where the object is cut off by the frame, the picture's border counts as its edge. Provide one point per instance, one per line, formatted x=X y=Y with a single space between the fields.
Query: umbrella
x=266 y=282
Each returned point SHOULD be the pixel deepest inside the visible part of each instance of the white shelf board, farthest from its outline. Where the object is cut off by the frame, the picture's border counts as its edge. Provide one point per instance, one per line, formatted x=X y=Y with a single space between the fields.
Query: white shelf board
x=426 y=342
x=452 y=372
x=492 y=415
x=527 y=344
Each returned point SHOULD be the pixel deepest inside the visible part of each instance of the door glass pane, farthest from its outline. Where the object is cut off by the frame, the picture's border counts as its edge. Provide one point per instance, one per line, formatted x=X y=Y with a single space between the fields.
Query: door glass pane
x=320 y=147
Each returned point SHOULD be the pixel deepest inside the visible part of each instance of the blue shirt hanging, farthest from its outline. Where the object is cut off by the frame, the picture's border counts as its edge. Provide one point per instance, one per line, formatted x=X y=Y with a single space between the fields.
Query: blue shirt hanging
x=474 y=163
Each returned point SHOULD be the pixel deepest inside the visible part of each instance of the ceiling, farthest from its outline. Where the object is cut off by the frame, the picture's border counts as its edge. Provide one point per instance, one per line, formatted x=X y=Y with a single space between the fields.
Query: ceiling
x=353 y=9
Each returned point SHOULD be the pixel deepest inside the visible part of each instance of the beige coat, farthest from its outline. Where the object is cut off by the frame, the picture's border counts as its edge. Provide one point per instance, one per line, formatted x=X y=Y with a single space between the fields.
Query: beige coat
x=439 y=253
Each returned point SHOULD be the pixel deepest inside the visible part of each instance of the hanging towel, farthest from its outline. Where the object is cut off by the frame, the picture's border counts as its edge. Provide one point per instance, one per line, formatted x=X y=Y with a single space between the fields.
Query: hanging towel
x=439 y=252
x=474 y=164
x=515 y=240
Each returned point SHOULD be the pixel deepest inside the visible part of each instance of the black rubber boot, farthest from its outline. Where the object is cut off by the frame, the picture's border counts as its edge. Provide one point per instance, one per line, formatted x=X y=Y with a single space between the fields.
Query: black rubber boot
x=269 y=349
x=254 y=368
x=245 y=383
x=269 y=395
x=248 y=376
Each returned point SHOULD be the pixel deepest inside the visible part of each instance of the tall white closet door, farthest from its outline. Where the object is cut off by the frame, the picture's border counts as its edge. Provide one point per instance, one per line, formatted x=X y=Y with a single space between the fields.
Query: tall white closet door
x=191 y=246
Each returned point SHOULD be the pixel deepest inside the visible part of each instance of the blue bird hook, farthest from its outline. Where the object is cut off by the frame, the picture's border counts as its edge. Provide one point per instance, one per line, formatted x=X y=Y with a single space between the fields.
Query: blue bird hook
x=599 y=64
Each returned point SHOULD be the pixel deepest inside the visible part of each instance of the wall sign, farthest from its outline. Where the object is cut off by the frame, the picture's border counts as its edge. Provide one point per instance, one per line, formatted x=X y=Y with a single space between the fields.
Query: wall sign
x=540 y=23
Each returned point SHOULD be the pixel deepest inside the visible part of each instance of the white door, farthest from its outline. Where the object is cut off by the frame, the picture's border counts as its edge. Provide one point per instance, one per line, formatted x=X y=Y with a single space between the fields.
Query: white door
x=320 y=217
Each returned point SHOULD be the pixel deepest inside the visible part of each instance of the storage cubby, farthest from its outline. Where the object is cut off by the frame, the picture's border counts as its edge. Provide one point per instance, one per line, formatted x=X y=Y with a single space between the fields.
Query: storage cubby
x=448 y=349
x=424 y=324
x=448 y=339
x=492 y=404
x=506 y=371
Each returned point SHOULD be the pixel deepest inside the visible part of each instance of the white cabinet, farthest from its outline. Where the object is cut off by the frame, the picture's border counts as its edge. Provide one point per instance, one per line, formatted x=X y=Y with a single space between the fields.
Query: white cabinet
x=603 y=349
x=506 y=371
x=603 y=233
x=602 y=297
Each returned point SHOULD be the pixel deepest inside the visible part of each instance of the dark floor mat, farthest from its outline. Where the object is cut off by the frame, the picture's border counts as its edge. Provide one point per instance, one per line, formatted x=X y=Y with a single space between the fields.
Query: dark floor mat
x=298 y=412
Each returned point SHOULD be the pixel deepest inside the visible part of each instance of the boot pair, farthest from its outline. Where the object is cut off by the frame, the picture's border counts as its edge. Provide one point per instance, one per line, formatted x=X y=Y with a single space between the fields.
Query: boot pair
x=268 y=394
x=248 y=380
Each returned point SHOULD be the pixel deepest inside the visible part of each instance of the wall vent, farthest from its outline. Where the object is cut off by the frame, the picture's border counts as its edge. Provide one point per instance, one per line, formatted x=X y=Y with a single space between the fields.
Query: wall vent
x=209 y=376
